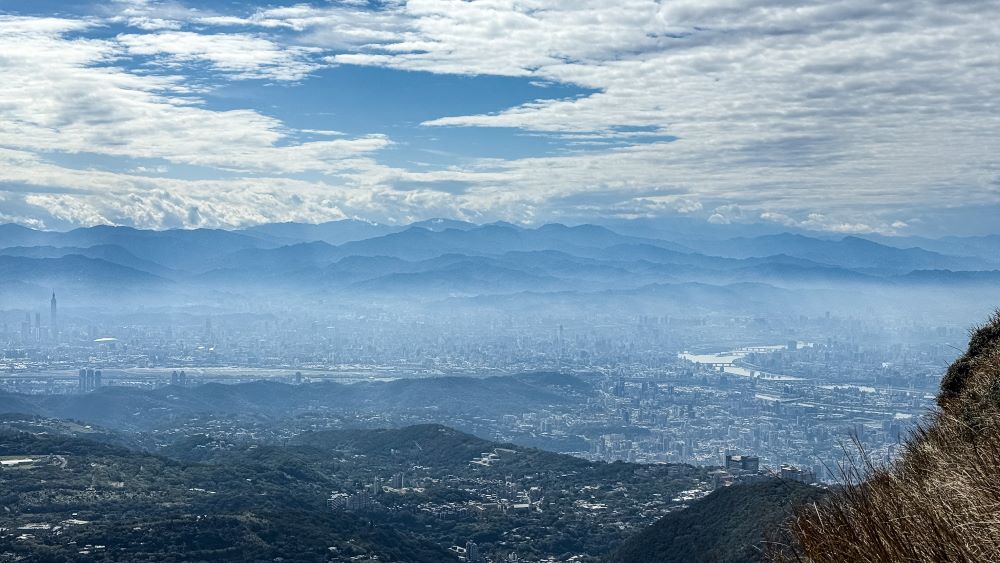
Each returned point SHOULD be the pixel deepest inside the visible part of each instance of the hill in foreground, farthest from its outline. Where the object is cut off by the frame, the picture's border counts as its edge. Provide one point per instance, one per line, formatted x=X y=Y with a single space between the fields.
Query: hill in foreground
x=79 y=500
x=730 y=525
x=413 y=494
x=938 y=501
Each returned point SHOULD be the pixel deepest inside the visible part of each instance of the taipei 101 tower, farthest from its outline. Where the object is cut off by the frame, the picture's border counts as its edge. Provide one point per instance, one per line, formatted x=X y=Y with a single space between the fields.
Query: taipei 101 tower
x=54 y=327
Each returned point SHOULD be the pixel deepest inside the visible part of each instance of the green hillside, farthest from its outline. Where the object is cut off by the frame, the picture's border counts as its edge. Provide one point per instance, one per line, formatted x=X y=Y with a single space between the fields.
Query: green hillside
x=728 y=526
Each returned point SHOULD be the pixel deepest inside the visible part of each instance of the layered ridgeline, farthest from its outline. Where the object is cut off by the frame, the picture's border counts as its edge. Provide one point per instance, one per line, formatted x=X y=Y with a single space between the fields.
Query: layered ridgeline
x=461 y=265
x=939 y=501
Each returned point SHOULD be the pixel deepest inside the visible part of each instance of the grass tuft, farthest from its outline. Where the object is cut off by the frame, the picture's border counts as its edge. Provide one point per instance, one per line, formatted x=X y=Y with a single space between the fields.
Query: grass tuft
x=940 y=501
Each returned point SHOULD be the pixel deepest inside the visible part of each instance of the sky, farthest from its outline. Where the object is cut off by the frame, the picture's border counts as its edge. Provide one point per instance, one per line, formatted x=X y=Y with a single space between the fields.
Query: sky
x=841 y=116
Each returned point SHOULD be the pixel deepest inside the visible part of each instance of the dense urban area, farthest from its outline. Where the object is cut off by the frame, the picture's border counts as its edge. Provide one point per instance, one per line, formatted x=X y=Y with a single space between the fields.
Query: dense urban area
x=678 y=390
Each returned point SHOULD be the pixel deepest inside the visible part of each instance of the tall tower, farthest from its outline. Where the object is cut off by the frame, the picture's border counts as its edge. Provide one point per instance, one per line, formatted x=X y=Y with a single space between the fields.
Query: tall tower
x=53 y=324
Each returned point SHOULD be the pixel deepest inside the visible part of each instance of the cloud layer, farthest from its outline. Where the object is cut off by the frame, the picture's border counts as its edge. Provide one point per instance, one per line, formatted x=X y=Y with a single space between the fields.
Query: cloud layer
x=844 y=116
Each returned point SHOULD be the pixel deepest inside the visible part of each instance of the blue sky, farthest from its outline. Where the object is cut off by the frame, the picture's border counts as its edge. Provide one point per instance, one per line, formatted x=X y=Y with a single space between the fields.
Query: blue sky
x=843 y=117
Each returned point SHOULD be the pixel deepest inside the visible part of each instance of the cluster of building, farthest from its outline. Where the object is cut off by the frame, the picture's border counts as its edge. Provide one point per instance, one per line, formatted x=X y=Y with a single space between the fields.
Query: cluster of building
x=747 y=469
x=352 y=502
x=89 y=379
x=36 y=333
x=366 y=498
x=776 y=405
x=178 y=378
x=778 y=399
x=470 y=553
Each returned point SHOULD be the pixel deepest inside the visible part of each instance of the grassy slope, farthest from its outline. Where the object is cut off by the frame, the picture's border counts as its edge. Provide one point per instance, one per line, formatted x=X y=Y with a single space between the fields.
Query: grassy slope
x=939 y=501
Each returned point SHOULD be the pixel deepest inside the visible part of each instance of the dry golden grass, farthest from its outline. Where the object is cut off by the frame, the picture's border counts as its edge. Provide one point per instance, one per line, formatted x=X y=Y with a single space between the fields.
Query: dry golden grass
x=940 y=501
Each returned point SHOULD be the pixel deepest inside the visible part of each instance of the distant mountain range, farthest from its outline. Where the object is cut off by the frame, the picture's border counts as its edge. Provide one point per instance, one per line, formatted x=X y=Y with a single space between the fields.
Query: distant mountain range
x=848 y=252
x=434 y=261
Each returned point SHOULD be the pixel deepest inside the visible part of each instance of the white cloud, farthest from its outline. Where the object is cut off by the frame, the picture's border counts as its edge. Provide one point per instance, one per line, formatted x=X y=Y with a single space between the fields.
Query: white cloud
x=820 y=222
x=323 y=132
x=153 y=24
x=162 y=202
x=238 y=55
x=800 y=107
x=841 y=116
x=63 y=95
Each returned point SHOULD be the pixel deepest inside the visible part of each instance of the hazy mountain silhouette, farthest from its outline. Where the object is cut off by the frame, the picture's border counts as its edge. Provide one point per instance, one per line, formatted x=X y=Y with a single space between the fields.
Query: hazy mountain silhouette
x=72 y=270
x=108 y=252
x=848 y=252
x=551 y=265
x=332 y=232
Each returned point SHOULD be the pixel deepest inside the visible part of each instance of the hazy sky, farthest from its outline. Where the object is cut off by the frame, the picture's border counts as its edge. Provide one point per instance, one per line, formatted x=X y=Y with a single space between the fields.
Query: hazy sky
x=840 y=115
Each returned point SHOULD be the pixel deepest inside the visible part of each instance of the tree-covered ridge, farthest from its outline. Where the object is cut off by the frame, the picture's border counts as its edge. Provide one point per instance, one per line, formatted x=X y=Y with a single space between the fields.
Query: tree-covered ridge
x=143 y=507
x=144 y=409
x=206 y=498
x=728 y=526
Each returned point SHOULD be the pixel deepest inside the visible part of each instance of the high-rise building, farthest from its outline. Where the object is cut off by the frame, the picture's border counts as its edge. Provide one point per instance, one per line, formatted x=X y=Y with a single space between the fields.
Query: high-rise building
x=89 y=379
x=472 y=554
x=174 y=378
x=398 y=481
x=53 y=319
x=742 y=463
x=178 y=378
x=26 y=329
x=797 y=474
x=337 y=501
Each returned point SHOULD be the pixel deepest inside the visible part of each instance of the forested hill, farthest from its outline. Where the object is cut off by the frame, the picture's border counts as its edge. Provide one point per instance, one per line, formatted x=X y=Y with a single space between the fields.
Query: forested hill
x=730 y=525
x=144 y=409
x=419 y=494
